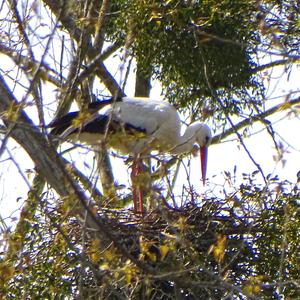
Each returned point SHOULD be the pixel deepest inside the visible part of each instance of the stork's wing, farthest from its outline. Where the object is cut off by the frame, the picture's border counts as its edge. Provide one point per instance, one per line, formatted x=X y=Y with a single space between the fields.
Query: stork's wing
x=95 y=123
x=68 y=121
x=80 y=125
x=61 y=124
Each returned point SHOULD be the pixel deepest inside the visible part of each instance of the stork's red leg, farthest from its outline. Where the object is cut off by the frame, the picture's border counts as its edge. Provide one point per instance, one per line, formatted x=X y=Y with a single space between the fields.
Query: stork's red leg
x=137 y=193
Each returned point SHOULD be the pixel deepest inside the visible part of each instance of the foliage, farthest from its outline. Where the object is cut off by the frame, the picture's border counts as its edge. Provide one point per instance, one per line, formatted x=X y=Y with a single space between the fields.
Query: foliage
x=75 y=236
x=185 y=44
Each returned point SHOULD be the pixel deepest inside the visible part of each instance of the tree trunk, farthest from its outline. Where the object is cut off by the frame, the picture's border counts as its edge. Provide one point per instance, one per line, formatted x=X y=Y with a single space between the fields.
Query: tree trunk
x=142 y=83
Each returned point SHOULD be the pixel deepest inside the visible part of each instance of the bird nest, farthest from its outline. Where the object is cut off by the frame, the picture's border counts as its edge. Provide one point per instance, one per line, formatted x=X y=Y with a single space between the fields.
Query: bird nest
x=163 y=241
x=193 y=225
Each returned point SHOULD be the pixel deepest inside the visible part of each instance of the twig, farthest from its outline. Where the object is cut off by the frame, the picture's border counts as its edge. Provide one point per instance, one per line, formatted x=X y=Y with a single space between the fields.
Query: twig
x=258 y=117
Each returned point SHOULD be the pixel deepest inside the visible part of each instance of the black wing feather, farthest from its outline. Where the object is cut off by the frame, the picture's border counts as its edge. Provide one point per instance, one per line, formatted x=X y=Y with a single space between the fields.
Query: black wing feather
x=59 y=125
x=97 y=126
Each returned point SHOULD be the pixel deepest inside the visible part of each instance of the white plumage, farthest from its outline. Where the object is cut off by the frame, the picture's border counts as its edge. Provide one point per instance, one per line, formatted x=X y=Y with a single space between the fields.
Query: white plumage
x=136 y=126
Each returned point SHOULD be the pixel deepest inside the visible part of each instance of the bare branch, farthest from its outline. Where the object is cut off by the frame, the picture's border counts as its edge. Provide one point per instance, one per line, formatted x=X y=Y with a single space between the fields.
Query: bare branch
x=281 y=62
x=21 y=27
x=75 y=32
x=257 y=118
x=27 y=65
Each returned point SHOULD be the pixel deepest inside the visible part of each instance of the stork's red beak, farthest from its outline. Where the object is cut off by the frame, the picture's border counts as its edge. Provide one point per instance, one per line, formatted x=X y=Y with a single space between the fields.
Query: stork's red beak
x=203 y=156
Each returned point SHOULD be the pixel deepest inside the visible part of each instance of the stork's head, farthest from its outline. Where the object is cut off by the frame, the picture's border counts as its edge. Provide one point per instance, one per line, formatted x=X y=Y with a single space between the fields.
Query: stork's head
x=203 y=138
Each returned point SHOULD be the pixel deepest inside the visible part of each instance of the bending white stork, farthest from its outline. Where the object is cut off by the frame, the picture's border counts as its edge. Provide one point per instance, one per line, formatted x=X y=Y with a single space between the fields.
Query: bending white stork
x=135 y=126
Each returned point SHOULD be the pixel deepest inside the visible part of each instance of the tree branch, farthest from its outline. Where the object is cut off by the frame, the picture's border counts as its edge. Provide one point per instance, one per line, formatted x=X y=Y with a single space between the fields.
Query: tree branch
x=69 y=23
x=27 y=65
x=259 y=117
x=281 y=62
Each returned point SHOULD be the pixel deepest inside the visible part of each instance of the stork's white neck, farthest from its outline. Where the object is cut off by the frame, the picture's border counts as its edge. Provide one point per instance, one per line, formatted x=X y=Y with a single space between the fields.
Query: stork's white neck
x=195 y=133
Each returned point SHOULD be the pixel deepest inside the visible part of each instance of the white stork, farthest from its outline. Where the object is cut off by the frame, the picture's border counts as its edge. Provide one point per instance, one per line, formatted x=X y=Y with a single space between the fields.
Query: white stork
x=135 y=126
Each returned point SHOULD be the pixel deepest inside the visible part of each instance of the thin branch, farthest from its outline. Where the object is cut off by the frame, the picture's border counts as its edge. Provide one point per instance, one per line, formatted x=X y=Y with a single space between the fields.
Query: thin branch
x=27 y=65
x=94 y=64
x=281 y=62
x=64 y=14
x=109 y=81
x=257 y=118
x=17 y=238
x=21 y=28
x=36 y=80
x=216 y=98
x=181 y=277
x=75 y=33
x=81 y=256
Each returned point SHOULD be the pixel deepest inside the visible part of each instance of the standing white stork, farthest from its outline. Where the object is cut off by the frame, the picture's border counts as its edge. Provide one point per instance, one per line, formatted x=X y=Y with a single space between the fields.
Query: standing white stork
x=135 y=126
